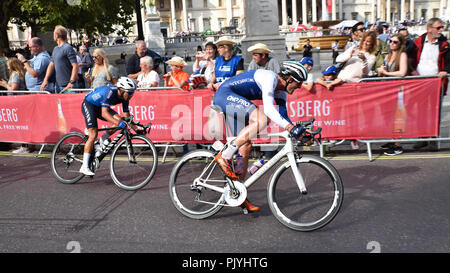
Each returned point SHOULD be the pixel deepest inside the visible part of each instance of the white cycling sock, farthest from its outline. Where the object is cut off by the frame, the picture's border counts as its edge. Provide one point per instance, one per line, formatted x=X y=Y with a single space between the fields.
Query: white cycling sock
x=230 y=150
x=86 y=157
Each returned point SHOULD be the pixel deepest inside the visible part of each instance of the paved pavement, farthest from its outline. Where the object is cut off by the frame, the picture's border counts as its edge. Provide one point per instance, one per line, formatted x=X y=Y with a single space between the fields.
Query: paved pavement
x=394 y=204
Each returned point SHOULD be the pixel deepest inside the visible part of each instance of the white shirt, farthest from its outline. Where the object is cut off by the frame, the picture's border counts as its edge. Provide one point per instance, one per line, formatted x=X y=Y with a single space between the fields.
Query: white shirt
x=208 y=71
x=355 y=68
x=145 y=81
x=428 y=63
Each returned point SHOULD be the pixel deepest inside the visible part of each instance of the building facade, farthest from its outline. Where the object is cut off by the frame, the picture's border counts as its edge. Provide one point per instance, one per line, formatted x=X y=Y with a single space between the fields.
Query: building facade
x=391 y=11
x=201 y=15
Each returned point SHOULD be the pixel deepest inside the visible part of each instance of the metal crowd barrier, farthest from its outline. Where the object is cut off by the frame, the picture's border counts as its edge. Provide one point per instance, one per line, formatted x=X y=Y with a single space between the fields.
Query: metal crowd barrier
x=23 y=92
x=368 y=142
x=85 y=90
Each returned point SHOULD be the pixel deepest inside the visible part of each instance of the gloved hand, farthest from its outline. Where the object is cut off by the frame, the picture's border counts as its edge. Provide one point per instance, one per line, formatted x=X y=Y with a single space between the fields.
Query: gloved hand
x=297 y=131
x=122 y=124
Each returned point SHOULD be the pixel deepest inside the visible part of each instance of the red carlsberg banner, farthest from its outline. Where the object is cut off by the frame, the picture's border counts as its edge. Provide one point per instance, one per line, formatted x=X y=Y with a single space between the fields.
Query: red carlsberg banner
x=389 y=109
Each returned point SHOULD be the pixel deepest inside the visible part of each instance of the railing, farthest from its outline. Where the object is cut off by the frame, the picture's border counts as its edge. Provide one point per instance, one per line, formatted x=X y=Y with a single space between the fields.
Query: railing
x=23 y=92
x=190 y=38
x=84 y=90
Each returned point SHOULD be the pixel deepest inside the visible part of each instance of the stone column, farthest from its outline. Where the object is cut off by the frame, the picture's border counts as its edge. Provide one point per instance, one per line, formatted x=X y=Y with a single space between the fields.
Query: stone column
x=185 y=19
x=379 y=11
x=442 y=8
x=341 y=12
x=402 y=10
x=411 y=10
x=284 y=13
x=333 y=10
x=229 y=12
x=304 y=12
x=448 y=9
x=153 y=36
x=262 y=27
x=324 y=11
x=174 y=18
x=314 y=11
x=388 y=11
x=294 y=12
x=372 y=11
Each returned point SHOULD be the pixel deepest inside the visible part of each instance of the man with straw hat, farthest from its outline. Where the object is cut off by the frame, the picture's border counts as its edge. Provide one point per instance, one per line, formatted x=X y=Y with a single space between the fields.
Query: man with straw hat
x=227 y=64
x=261 y=58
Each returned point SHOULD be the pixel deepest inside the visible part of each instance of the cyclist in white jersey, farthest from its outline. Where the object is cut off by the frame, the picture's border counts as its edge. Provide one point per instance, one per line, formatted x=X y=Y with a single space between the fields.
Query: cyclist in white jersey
x=246 y=119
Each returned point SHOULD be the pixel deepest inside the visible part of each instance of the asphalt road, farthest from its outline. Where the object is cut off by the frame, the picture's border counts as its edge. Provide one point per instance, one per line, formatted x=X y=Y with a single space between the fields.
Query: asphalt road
x=393 y=204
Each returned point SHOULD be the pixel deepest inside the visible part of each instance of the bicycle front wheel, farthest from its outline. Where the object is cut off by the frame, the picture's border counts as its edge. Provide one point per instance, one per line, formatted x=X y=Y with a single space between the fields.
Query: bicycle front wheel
x=67 y=157
x=132 y=169
x=190 y=198
x=316 y=208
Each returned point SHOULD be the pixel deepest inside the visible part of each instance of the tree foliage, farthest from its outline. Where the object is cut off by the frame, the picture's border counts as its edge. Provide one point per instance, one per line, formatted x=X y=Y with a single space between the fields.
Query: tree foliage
x=89 y=17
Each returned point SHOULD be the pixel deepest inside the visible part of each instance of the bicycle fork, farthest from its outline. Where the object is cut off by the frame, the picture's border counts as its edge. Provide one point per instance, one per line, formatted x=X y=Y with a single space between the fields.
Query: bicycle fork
x=130 y=150
x=298 y=176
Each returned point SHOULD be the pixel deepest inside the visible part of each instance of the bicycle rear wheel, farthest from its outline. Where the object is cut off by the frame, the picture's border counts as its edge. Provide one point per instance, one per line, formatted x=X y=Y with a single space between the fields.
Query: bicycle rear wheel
x=190 y=199
x=316 y=208
x=133 y=175
x=67 y=157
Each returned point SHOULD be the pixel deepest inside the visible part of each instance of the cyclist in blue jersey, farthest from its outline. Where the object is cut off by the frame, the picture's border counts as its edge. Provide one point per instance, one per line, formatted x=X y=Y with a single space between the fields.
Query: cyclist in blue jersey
x=246 y=119
x=96 y=105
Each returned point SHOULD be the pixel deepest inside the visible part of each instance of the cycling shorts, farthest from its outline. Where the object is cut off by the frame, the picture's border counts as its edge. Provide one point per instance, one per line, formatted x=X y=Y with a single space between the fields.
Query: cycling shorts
x=92 y=112
x=236 y=108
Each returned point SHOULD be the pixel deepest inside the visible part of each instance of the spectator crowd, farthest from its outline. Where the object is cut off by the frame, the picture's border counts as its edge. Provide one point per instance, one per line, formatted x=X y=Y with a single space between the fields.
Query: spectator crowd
x=374 y=52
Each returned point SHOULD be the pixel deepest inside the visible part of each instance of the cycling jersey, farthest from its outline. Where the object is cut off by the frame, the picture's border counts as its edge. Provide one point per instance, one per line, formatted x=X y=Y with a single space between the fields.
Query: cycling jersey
x=234 y=96
x=103 y=96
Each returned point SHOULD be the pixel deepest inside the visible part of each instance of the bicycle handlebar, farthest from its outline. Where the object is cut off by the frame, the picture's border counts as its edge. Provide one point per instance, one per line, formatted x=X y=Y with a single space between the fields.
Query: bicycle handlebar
x=310 y=134
x=129 y=120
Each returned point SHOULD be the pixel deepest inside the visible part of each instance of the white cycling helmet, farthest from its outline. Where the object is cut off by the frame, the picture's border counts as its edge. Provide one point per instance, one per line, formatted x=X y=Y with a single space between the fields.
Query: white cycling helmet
x=127 y=84
x=294 y=69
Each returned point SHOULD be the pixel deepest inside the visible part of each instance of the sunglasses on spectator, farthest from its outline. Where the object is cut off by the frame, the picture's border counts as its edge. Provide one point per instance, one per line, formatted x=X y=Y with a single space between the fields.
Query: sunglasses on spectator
x=95 y=57
x=438 y=28
x=394 y=42
x=361 y=29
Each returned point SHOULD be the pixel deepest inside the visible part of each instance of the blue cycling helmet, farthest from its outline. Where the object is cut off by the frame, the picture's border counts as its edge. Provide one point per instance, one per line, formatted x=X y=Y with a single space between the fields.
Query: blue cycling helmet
x=294 y=69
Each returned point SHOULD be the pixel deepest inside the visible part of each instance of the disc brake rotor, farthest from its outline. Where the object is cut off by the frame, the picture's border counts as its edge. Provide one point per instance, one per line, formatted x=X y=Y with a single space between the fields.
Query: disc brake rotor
x=235 y=197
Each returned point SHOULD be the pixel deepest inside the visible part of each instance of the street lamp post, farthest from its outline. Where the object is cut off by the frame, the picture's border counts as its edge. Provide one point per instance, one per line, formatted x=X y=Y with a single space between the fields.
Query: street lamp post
x=139 y=20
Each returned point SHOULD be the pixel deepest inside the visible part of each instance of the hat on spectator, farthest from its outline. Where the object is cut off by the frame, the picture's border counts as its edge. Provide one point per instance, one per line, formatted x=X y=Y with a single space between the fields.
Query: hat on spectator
x=176 y=61
x=307 y=60
x=259 y=48
x=225 y=40
x=330 y=70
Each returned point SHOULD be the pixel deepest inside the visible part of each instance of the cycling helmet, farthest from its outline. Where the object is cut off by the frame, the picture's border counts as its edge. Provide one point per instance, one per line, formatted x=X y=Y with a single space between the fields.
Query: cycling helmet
x=127 y=84
x=294 y=69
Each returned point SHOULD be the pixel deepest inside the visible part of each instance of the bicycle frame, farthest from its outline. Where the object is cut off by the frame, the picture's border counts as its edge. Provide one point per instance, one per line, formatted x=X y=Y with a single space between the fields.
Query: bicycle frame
x=112 y=144
x=288 y=150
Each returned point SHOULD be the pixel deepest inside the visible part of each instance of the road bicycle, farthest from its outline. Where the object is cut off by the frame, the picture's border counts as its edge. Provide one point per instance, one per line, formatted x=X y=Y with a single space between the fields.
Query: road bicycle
x=305 y=192
x=133 y=159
